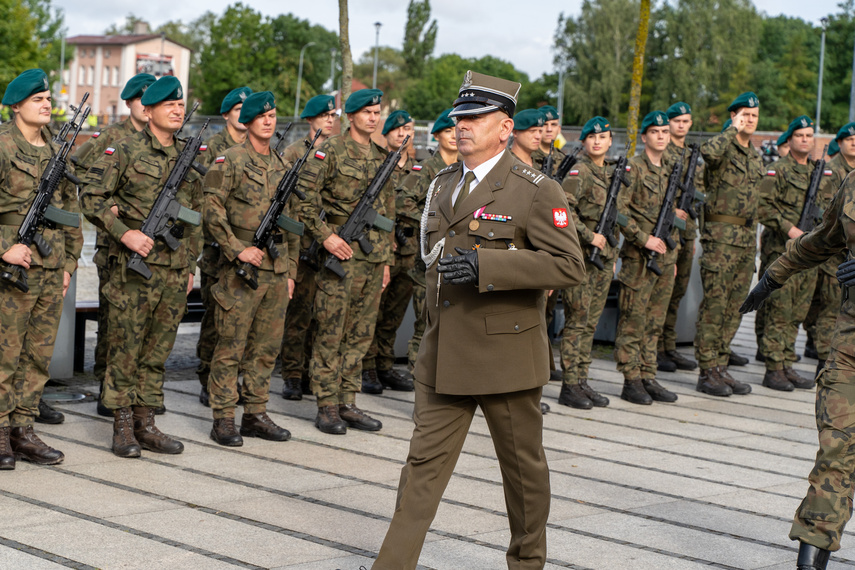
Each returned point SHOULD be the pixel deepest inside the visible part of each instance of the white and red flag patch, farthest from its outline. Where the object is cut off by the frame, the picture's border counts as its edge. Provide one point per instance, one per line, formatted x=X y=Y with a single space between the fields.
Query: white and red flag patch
x=573 y=173
x=827 y=172
x=770 y=173
x=109 y=150
x=320 y=155
x=559 y=217
x=417 y=167
x=220 y=159
x=202 y=148
x=96 y=134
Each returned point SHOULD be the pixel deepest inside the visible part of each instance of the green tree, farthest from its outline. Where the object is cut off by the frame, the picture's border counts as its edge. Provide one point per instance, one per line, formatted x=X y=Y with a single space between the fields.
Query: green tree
x=837 y=78
x=419 y=37
x=50 y=28
x=196 y=36
x=19 y=35
x=391 y=77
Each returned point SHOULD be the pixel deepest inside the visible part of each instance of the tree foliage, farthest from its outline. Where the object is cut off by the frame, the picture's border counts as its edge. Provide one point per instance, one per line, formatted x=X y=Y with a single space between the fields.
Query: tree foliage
x=419 y=37
x=20 y=37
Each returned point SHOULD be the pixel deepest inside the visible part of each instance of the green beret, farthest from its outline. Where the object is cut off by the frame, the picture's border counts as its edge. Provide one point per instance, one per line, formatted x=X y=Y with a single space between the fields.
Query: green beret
x=256 y=104
x=550 y=113
x=396 y=119
x=528 y=118
x=748 y=99
x=234 y=97
x=362 y=98
x=801 y=122
x=782 y=140
x=136 y=86
x=833 y=148
x=595 y=125
x=654 y=119
x=442 y=122
x=678 y=109
x=726 y=125
x=847 y=130
x=28 y=83
x=167 y=88
x=318 y=105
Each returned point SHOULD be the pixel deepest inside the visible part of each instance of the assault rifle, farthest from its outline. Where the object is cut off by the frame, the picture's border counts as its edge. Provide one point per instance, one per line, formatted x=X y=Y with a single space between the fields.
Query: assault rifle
x=41 y=213
x=162 y=221
x=549 y=161
x=610 y=215
x=690 y=194
x=281 y=136
x=310 y=255
x=811 y=212
x=667 y=219
x=263 y=238
x=566 y=164
x=364 y=216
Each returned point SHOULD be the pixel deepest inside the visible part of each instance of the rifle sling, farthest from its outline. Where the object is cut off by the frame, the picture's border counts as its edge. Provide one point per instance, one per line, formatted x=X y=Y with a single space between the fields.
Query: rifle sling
x=336 y=220
x=736 y=221
x=11 y=219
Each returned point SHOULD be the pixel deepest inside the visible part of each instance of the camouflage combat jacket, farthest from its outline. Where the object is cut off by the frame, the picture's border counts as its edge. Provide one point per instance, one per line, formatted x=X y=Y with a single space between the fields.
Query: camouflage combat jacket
x=782 y=198
x=21 y=168
x=586 y=187
x=538 y=156
x=215 y=147
x=294 y=151
x=334 y=179
x=732 y=177
x=672 y=155
x=835 y=172
x=131 y=175
x=411 y=195
x=396 y=180
x=239 y=188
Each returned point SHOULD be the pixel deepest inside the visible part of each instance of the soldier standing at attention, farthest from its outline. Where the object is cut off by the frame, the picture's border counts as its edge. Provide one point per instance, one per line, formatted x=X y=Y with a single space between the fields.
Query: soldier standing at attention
x=486 y=343
x=528 y=129
x=377 y=371
x=239 y=189
x=29 y=320
x=83 y=159
x=122 y=186
x=233 y=134
x=409 y=205
x=334 y=179
x=586 y=188
x=667 y=357
x=296 y=351
x=550 y=132
x=782 y=198
x=641 y=312
x=729 y=239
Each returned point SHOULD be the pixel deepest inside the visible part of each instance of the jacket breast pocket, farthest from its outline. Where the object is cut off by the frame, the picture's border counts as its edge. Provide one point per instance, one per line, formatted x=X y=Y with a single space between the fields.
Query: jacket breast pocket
x=352 y=180
x=512 y=322
x=598 y=192
x=250 y=191
x=431 y=231
x=794 y=192
x=735 y=174
x=23 y=178
x=492 y=234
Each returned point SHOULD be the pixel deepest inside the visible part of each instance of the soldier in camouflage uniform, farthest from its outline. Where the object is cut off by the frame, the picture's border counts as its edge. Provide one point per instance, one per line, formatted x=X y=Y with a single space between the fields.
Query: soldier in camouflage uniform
x=641 y=312
x=83 y=159
x=239 y=189
x=409 y=205
x=377 y=371
x=586 y=187
x=233 y=134
x=667 y=357
x=528 y=129
x=334 y=179
x=820 y=519
x=733 y=170
x=122 y=186
x=29 y=320
x=782 y=197
x=550 y=132
x=320 y=113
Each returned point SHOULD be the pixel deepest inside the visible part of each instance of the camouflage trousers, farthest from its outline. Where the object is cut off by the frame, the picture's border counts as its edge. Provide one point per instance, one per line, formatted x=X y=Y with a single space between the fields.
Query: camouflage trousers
x=141 y=326
x=822 y=315
x=642 y=314
x=299 y=327
x=726 y=272
x=786 y=308
x=827 y=507
x=28 y=323
x=346 y=313
x=249 y=334
x=419 y=292
x=100 y=366
x=685 y=261
x=583 y=306
x=393 y=305
x=207 y=329
x=760 y=316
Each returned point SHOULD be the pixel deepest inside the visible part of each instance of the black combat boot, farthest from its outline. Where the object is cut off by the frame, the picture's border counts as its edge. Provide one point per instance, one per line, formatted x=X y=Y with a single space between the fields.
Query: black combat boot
x=664 y=364
x=738 y=388
x=760 y=357
x=658 y=392
x=103 y=410
x=810 y=349
x=225 y=433
x=149 y=436
x=28 y=447
x=777 y=380
x=799 y=381
x=556 y=376
x=812 y=557
x=370 y=383
x=819 y=366
x=394 y=380
x=736 y=360
x=634 y=392
x=48 y=415
x=291 y=389
x=328 y=420
x=159 y=411
x=680 y=361
x=357 y=419
x=598 y=399
x=709 y=382
x=544 y=408
x=574 y=396
x=205 y=397
x=7 y=456
x=260 y=425
x=124 y=442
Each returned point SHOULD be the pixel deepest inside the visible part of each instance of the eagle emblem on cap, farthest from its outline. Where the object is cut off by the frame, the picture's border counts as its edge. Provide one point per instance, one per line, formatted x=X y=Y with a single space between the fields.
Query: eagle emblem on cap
x=375 y=100
x=598 y=128
x=851 y=131
x=467 y=80
x=242 y=95
x=804 y=123
x=179 y=92
x=683 y=109
x=45 y=81
x=752 y=101
x=400 y=119
x=658 y=119
x=330 y=105
x=267 y=106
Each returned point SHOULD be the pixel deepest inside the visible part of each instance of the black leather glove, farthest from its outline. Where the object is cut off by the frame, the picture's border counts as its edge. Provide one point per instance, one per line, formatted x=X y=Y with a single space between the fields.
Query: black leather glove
x=460 y=269
x=846 y=273
x=757 y=295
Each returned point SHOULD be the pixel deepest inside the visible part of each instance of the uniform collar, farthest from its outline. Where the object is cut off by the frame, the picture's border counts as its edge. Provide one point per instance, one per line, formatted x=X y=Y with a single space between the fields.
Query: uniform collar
x=24 y=146
x=155 y=143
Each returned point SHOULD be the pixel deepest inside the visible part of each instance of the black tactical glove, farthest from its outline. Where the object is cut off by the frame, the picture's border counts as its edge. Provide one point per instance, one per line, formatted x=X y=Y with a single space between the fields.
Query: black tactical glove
x=757 y=295
x=460 y=269
x=846 y=273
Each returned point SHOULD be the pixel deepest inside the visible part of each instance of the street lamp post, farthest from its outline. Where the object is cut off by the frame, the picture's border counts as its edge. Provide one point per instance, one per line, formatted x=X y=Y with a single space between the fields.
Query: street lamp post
x=376 y=49
x=824 y=22
x=300 y=79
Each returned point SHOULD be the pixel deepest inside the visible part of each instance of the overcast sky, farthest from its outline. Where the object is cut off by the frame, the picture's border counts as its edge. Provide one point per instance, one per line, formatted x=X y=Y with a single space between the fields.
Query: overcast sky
x=501 y=30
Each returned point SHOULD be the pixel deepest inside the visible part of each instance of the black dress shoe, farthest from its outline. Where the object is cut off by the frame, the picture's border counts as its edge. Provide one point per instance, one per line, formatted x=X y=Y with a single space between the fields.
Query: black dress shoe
x=736 y=360
x=205 y=397
x=103 y=410
x=658 y=392
x=598 y=399
x=328 y=420
x=812 y=557
x=260 y=425
x=394 y=380
x=574 y=396
x=357 y=419
x=7 y=456
x=634 y=392
x=48 y=415
x=776 y=380
x=291 y=389
x=680 y=361
x=738 y=388
x=799 y=381
x=664 y=364
x=544 y=408
x=556 y=376
x=709 y=382
x=370 y=382
x=225 y=433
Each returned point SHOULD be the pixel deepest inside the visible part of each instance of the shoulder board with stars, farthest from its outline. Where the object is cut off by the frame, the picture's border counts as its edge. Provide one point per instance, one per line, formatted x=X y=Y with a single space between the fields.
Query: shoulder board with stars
x=109 y=150
x=770 y=173
x=220 y=160
x=827 y=172
x=417 y=167
x=449 y=168
x=534 y=176
x=320 y=155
